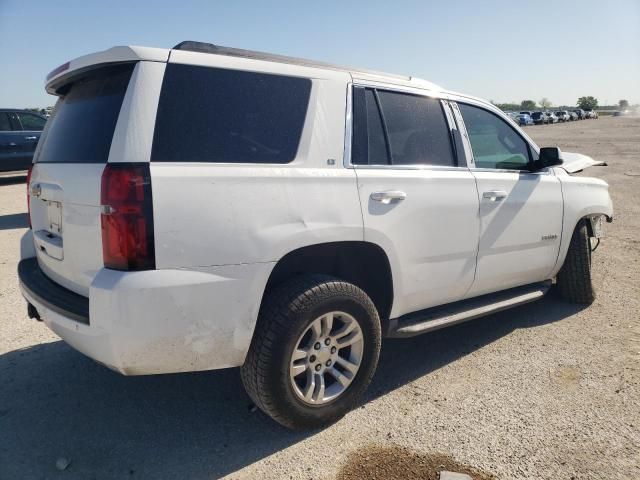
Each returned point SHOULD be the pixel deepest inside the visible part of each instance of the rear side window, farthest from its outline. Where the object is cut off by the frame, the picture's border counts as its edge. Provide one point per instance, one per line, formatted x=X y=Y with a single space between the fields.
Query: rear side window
x=228 y=116
x=417 y=129
x=30 y=121
x=399 y=129
x=84 y=119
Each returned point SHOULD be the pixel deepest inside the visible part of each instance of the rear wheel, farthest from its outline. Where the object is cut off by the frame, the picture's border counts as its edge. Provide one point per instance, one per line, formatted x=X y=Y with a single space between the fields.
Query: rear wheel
x=574 y=278
x=314 y=351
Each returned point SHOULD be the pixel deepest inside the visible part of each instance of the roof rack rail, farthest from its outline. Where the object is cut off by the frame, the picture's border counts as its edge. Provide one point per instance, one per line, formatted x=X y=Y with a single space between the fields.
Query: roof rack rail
x=202 y=47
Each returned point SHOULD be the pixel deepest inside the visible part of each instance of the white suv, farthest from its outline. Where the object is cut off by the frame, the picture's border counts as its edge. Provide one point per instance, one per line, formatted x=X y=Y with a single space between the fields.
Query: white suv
x=207 y=207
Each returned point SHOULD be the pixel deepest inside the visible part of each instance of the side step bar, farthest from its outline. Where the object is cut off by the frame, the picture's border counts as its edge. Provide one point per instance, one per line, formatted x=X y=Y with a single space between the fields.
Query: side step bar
x=436 y=318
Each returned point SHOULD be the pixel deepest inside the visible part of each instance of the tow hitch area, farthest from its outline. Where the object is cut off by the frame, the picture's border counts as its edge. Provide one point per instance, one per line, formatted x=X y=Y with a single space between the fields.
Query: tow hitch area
x=33 y=312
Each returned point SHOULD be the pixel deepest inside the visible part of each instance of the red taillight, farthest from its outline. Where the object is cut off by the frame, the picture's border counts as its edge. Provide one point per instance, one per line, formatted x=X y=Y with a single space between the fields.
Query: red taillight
x=127 y=217
x=29 y=192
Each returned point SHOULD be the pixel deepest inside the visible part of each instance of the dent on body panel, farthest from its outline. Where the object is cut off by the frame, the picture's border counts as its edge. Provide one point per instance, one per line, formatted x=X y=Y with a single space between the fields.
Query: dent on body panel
x=179 y=320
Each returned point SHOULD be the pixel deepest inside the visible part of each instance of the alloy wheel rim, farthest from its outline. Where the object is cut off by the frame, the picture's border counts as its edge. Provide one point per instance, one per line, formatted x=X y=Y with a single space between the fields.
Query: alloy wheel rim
x=326 y=358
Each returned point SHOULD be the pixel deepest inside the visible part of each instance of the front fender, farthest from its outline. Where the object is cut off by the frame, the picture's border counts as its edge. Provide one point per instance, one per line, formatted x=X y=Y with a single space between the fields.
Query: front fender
x=584 y=197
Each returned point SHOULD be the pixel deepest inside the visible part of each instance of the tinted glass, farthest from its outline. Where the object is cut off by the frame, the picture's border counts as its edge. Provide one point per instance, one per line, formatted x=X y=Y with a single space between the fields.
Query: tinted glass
x=217 y=115
x=84 y=119
x=31 y=122
x=368 y=143
x=494 y=143
x=417 y=129
x=5 y=125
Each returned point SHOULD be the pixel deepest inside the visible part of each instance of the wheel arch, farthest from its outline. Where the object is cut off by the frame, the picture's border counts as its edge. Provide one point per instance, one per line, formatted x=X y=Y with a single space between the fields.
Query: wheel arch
x=364 y=264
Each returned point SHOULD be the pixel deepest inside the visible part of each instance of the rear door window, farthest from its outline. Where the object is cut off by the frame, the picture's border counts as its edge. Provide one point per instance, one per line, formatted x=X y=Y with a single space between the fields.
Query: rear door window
x=84 y=119
x=399 y=129
x=229 y=116
x=31 y=122
x=417 y=130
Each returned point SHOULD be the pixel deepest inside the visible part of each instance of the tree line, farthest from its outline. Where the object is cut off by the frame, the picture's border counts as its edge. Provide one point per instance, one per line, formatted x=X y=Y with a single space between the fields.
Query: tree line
x=588 y=102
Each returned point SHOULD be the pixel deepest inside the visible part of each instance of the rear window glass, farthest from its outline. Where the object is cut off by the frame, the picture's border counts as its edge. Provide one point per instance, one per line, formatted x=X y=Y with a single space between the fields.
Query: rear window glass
x=229 y=116
x=84 y=119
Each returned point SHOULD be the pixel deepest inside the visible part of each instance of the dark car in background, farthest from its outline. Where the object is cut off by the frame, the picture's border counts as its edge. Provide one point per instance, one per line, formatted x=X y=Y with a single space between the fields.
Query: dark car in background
x=539 y=118
x=581 y=114
x=19 y=134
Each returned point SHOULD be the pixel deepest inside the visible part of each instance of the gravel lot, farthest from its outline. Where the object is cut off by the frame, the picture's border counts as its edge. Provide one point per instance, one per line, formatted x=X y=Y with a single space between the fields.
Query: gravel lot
x=548 y=390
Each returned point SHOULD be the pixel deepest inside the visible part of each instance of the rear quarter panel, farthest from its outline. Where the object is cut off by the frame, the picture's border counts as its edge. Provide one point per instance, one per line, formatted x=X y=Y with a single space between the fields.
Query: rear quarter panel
x=209 y=214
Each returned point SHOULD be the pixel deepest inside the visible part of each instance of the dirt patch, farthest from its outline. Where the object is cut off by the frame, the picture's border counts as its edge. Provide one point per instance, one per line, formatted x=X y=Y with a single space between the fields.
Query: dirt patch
x=390 y=463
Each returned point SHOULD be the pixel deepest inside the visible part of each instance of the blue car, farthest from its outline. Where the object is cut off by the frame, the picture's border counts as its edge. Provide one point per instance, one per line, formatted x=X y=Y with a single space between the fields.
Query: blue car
x=524 y=119
x=19 y=134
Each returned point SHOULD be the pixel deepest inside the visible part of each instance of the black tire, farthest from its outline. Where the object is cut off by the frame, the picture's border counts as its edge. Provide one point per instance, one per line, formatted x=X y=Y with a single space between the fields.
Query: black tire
x=574 y=281
x=285 y=314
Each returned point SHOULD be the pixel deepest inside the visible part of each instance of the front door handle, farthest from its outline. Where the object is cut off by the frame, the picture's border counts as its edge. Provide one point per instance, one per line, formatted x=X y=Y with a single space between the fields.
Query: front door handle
x=30 y=138
x=495 y=195
x=388 y=196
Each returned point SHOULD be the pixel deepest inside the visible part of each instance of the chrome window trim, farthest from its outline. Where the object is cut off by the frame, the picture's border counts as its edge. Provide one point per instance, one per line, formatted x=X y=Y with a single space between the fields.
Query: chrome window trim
x=409 y=167
x=546 y=171
x=348 y=134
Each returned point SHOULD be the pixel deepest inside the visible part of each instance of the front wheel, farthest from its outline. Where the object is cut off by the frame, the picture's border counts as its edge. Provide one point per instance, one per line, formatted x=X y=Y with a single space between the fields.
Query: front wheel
x=314 y=351
x=574 y=278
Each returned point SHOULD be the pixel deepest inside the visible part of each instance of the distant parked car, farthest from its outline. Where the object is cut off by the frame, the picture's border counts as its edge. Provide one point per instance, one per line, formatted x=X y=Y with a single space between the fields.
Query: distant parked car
x=526 y=112
x=539 y=118
x=551 y=117
x=581 y=114
x=524 y=119
x=563 y=116
x=591 y=113
x=513 y=117
x=572 y=115
x=19 y=134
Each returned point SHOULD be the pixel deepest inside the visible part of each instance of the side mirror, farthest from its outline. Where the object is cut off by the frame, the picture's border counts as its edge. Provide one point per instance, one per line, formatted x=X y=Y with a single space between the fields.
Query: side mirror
x=549 y=157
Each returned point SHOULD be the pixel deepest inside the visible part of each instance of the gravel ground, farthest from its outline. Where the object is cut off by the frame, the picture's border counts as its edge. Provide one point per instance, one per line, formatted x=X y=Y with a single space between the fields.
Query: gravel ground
x=548 y=390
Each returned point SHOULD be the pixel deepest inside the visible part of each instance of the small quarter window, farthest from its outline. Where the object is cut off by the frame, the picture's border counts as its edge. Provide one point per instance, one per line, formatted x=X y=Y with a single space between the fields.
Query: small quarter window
x=369 y=146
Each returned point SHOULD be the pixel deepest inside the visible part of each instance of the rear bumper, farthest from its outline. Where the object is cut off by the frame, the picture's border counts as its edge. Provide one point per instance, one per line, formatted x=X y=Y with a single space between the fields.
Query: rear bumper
x=50 y=295
x=158 y=321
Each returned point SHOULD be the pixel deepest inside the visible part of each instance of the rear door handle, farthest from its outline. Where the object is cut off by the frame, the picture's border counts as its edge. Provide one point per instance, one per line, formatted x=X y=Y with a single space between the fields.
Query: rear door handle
x=30 y=138
x=495 y=195
x=388 y=196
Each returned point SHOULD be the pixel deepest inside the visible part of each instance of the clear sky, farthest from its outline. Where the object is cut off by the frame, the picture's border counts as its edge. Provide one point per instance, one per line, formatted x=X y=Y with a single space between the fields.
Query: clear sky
x=497 y=49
